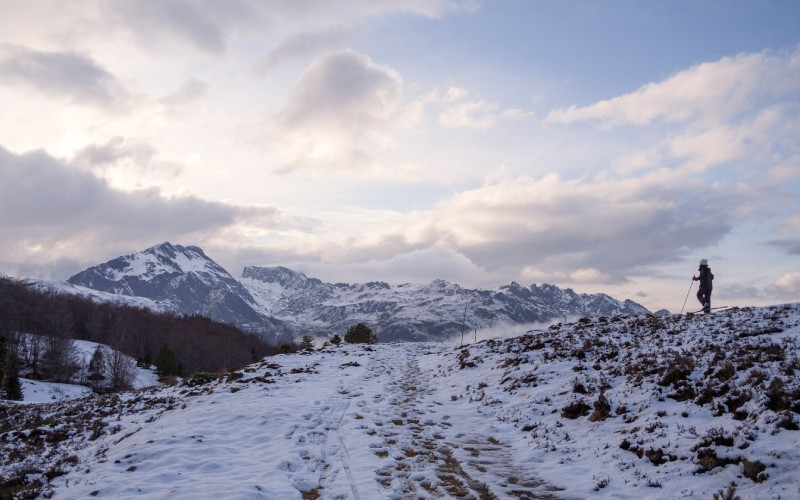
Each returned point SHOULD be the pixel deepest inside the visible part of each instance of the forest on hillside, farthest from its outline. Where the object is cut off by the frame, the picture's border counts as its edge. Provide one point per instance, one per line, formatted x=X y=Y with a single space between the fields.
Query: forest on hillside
x=177 y=344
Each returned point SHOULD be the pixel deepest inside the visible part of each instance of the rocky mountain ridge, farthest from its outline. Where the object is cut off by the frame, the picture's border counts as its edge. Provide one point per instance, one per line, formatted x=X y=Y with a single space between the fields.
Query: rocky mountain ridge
x=280 y=303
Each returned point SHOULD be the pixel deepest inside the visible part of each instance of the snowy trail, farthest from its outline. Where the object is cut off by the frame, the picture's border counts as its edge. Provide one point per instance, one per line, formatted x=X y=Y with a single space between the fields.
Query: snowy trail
x=354 y=423
x=432 y=446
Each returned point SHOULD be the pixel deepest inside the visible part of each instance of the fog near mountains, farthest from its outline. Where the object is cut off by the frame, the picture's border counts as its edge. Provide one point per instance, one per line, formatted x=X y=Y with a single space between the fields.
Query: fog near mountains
x=283 y=304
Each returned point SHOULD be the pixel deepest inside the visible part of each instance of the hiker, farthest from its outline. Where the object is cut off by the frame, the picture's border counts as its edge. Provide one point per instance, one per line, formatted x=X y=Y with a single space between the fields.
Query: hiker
x=705 y=279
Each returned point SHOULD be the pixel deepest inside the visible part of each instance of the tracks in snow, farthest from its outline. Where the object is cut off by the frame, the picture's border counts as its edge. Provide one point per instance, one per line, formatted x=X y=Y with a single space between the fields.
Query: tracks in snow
x=409 y=440
x=423 y=452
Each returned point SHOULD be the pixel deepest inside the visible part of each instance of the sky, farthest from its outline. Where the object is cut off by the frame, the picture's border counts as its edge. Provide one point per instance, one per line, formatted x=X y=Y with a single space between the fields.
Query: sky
x=605 y=146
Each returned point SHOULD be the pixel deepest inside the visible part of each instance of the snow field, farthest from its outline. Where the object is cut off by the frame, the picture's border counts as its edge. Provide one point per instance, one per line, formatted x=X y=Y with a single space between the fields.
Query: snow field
x=691 y=404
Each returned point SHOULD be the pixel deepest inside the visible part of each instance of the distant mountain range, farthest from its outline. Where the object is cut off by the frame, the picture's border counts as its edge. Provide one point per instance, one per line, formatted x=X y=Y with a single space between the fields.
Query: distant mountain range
x=282 y=304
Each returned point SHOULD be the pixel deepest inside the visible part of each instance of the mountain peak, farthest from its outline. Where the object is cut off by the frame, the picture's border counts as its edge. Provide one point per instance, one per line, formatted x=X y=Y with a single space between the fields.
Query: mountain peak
x=184 y=278
x=275 y=274
x=164 y=258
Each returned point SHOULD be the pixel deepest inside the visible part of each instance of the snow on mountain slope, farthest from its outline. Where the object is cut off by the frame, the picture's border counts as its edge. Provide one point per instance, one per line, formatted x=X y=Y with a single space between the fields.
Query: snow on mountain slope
x=183 y=280
x=638 y=407
x=96 y=295
x=415 y=312
x=282 y=304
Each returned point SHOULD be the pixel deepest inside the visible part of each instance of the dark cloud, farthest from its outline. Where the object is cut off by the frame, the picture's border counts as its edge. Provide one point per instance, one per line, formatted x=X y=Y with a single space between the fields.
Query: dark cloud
x=575 y=227
x=67 y=74
x=791 y=246
x=740 y=291
x=46 y=205
x=300 y=45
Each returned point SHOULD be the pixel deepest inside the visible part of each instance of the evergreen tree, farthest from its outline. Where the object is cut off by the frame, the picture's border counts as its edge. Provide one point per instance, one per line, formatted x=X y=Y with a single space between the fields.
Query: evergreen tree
x=166 y=362
x=336 y=339
x=97 y=365
x=307 y=343
x=360 y=334
x=12 y=389
x=3 y=355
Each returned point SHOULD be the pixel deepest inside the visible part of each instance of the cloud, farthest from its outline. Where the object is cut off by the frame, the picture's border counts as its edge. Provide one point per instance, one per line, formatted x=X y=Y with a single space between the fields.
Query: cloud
x=555 y=230
x=709 y=91
x=610 y=228
x=784 y=288
x=789 y=284
x=791 y=242
x=302 y=45
x=211 y=26
x=203 y=25
x=50 y=211
x=64 y=74
x=587 y=275
x=121 y=155
x=340 y=100
x=475 y=114
x=190 y=90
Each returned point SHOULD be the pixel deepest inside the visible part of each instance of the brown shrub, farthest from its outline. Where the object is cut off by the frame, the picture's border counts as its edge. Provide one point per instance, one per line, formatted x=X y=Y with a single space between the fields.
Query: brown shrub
x=754 y=470
x=575 y=409
x=602 y=408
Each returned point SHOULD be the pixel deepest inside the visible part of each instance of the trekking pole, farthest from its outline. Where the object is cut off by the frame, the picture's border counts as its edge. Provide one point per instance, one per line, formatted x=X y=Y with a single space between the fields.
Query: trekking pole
x=463 y=324
x=691 y=283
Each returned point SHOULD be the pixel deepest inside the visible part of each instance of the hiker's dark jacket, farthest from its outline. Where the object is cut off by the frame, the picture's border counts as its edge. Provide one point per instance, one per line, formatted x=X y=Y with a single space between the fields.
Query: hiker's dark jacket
x=706 y=278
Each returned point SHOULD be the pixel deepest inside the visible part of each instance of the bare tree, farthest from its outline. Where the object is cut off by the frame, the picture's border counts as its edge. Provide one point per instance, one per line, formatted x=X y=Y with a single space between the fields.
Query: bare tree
x=121 y=371
x=60 y=358
x=34 y=348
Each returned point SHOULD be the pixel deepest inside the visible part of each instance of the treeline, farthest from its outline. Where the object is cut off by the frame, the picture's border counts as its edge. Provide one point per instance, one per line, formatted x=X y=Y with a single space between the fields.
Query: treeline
x=180 y=344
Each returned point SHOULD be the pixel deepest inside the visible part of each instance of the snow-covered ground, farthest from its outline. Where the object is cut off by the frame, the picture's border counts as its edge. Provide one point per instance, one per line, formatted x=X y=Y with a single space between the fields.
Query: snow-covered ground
x=143 y=377
x=35 y=391
x=39 y=391
x=674 y=408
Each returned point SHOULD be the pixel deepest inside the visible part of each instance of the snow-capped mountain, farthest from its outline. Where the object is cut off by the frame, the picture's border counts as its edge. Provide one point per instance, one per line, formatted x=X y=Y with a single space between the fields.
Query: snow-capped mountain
x=183 y=280
x=415 y=312
x=280 y=303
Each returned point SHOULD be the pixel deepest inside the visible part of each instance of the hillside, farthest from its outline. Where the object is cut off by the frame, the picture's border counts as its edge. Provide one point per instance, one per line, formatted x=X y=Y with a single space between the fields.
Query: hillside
x=622 y=407
x=193 y=343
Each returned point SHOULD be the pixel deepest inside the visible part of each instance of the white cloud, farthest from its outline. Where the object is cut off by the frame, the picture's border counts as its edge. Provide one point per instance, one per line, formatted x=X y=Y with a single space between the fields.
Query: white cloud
x=471 y=114
x=789 y=283
x=709 y=91
x=478 y=114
